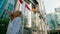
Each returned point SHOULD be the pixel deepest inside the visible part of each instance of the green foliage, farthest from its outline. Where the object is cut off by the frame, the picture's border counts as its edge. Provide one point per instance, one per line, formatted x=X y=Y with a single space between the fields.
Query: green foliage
x=3 y=26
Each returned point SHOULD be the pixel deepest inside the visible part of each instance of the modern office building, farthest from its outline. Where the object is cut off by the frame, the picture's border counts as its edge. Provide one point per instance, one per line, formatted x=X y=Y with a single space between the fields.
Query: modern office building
x=6 y=5
x=53 y=20
x=40 y=12
x=57 y=13
x=50 y=20
x=30 y=12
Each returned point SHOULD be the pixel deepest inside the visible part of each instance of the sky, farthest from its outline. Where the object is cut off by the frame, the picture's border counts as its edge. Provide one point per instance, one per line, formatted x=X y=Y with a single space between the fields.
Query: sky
x=50 y=5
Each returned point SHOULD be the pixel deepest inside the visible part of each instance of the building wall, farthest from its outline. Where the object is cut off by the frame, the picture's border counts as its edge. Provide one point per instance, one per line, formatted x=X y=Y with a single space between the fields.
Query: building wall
x=4 y=6
x=53 y=20
x=41 y=7
x=43 y=13
x=49 y=19
x=57 y=13
x=57 y=17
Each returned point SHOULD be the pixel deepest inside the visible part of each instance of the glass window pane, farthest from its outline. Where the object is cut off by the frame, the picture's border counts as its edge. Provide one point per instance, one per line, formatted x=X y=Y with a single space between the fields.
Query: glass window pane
x=1 y=1
x=3 y=7
x=10 y=7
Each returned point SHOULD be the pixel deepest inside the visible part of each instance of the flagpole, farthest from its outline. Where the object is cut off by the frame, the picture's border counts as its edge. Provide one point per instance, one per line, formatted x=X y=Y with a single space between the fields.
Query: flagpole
x=23 y=11
x=15 y=4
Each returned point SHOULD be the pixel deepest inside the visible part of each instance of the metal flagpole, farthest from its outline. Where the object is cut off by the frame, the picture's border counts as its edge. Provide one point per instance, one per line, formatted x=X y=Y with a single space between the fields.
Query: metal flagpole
x=23 y=11
x=15 y=4
x=22 y=14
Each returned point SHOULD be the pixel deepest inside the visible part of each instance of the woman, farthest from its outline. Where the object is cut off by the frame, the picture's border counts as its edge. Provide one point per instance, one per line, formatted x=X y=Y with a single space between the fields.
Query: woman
x=15 y=25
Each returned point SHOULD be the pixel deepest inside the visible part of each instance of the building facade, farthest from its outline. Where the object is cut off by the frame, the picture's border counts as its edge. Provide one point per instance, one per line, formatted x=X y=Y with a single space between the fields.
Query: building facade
x=36 y=7
x=53 y=20
x=6 y=5
x=57 y=15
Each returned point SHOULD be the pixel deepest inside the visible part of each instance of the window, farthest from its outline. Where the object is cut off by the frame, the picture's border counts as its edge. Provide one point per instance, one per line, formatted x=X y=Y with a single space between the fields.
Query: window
x=2 y=8
x=58 y=16
x=10 y=8
x=1 y=1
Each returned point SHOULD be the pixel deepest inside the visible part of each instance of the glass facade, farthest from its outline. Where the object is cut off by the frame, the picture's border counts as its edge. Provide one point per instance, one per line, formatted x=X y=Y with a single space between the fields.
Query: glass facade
x=58 y=19
x=54 y=20
x=51 y=21
x=3 y=4
x=58 y=16
x=4 y=17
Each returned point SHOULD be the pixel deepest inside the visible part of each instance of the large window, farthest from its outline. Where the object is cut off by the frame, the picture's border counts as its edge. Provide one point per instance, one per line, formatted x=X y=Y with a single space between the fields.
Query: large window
x=1 y=2
x=2 y=6
x=10 y=7
x=58 y=16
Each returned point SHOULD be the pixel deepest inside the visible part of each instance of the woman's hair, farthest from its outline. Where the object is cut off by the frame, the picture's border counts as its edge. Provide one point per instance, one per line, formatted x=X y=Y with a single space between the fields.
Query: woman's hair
x=19 y=12
x=10 y=14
